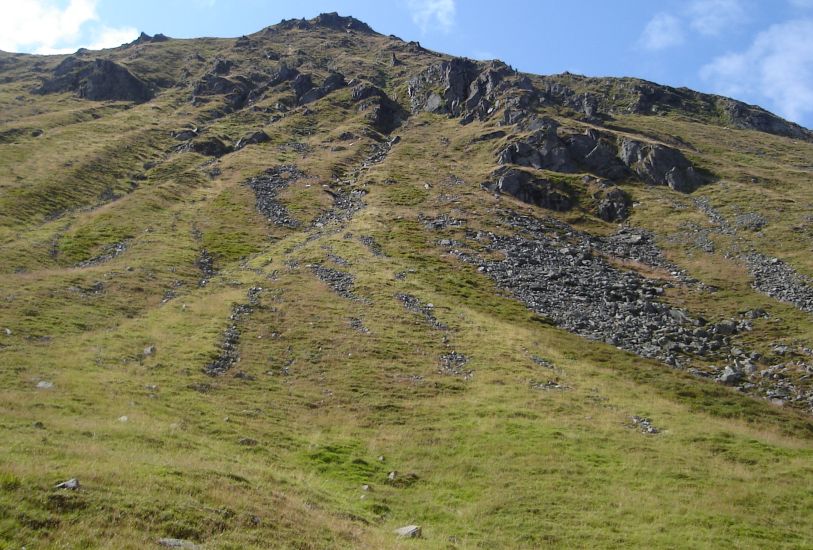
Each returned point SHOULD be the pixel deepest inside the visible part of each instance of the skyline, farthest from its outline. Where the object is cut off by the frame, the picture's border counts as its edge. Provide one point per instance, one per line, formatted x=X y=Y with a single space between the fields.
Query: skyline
x=761 y=54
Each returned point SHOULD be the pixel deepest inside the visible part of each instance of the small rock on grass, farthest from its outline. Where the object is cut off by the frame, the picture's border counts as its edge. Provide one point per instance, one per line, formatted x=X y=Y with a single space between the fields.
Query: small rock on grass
x=177 y=543
x=45 y=385
x=72 y=484
x=409 y=532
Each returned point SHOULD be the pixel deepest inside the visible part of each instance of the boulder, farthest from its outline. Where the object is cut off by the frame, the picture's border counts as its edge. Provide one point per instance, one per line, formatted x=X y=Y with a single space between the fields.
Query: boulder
x=177 y=543
x=72 y=484
x=726 y=328
x=730 y=376
x=222 y=67
x=384 y=114
x=531 y=190
x=251 y=139
x=444 y=87
x=210 y=147
x=409 y=532
x=306 y=92
x=96 y=80
x=614 y=205
x=659 y=165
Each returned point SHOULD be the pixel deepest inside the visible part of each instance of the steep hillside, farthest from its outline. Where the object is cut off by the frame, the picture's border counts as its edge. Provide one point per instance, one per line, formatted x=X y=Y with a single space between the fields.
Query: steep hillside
x=302 y=288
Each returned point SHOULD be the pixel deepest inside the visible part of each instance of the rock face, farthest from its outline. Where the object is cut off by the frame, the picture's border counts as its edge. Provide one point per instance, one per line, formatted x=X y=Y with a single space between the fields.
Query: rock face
x=306 y=92
x=572 y=152
x=660 y=165
x=458 y=87
x=600 y=153
x=383 y=114
x=330 y=20
x=751 y=117
x=532 y=190
x=145 y=38
x=97 y=80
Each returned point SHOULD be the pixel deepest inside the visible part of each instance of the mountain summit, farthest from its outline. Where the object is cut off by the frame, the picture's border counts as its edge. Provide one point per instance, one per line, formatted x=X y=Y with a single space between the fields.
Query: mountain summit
x=320 y=287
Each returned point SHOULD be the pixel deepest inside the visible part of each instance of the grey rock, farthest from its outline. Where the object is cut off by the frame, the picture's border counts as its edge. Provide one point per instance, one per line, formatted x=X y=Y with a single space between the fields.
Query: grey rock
x=97 y=80
x=267 y=186
x=252 y=139
x=614 y=205
x=777 y=279
x=177 y=543
x=730 y=376
x=72 y=484
x=532 y=190
x=210 y=147
x=726 y=328
x=409 y=531
x=659 y=165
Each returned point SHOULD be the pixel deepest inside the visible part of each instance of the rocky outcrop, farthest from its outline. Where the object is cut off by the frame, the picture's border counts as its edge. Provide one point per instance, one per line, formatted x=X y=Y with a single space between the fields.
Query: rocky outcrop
x=306 y=92
x=614 y=204
x=751 y=117
x=660 y=165
x=599 y=153
x=458 y=87
x=542 y=150
x=236 y=90
x=333 y=20
x=545 y=149
x=330 y=20
x=97 y=80
x=383 y=113
x=251 y=139
x=210 y=147
x=529 y=189
x=222 y=67
x=145 y=38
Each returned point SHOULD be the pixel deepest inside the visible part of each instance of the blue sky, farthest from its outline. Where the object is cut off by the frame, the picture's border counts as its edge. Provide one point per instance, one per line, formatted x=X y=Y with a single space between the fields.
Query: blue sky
x=760 y=51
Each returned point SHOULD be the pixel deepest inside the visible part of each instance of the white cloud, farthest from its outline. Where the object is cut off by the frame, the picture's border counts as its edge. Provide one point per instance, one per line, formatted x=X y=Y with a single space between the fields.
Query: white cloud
x=663 y=31
x=432 y=13
x=714 y=17
x=803 y=4
x=44 y=26
x=778 y=66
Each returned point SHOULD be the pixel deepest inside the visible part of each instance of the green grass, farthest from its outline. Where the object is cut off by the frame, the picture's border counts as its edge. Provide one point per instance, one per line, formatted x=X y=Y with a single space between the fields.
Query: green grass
x=490 y=462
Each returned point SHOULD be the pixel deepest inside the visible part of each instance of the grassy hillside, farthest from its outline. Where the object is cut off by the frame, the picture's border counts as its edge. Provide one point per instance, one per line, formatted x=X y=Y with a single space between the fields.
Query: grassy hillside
x=213 y=373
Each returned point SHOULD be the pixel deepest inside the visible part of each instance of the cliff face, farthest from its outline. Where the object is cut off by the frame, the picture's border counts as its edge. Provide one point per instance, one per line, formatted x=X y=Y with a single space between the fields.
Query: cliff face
x=316 y=283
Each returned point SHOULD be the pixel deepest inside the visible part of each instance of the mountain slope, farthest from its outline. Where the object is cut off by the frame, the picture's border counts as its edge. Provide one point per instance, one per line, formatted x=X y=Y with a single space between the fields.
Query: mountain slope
x=301 y=288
